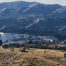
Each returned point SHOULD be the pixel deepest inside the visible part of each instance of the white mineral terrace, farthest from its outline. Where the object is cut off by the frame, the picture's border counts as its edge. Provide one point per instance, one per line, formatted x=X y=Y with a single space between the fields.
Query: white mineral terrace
x=9 y=36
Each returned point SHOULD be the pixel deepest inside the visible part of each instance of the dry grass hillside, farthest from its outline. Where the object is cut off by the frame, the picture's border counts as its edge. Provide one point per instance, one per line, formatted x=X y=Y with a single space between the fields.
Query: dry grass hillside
x=34 y=57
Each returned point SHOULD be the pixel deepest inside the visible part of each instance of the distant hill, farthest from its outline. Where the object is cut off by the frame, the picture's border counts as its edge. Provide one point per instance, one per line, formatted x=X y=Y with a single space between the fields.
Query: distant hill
x=33 y=18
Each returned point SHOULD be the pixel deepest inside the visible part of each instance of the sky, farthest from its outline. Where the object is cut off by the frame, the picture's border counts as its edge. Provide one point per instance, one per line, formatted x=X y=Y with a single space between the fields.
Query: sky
x=61 y=2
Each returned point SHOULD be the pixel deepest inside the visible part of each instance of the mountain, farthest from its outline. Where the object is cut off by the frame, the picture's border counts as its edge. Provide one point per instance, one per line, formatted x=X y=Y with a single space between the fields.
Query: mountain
x=25 y=8
x=33 y=18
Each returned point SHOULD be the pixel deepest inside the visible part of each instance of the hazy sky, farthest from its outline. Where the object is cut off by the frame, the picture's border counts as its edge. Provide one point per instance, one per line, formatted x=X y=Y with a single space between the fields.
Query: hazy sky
x=62 y=2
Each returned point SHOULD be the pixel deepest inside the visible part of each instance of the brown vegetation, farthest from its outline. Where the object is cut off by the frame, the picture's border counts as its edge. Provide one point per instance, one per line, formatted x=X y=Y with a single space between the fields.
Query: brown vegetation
x=34 y=57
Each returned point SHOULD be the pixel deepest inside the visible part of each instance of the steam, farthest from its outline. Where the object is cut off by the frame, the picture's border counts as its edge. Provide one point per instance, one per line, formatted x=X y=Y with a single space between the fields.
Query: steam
x=2 y=10
x=35 y=21
x=62 y=28
x=59 y=10
x=3 y=27
x=29 y=7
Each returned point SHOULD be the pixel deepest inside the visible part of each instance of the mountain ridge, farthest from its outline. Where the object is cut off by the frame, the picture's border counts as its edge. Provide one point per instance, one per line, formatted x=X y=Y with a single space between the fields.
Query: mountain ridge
x=33 y=18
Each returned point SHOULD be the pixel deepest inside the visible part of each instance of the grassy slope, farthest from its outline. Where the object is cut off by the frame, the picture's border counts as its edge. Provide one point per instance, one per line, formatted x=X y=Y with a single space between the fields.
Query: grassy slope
x=35 y=57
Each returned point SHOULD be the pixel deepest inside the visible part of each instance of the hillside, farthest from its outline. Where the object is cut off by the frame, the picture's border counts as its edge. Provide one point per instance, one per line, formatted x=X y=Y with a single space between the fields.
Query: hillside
x=34 y=57
x=33 y=18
